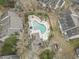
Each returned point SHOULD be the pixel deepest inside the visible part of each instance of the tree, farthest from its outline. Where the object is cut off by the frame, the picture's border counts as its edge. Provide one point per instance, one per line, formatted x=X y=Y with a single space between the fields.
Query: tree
x=47 y=54
x=3 y=2
x=9 y=46
x=8 y=3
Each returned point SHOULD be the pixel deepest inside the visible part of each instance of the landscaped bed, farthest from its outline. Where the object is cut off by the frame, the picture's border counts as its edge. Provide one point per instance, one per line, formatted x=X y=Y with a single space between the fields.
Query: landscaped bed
x=74 y=43
x=45 y=15
x=7 y=3
x=47 y=54
x=3 y=2
x=9 y=45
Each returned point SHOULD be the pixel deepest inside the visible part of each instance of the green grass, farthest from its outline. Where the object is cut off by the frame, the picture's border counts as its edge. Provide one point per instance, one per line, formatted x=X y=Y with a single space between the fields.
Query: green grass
x=47 y=54
x=74 y=43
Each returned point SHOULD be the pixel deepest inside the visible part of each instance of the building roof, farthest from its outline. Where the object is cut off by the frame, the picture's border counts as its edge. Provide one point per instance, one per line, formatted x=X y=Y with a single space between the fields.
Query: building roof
x=69 y=25
x=77 y=51
x=72 y=32
x=53 y=3
x=75 y=1
x=61 y=2
x=15 y=20
x=66 y=22
x=9 y=57
x=10 y=22
x=75 y=8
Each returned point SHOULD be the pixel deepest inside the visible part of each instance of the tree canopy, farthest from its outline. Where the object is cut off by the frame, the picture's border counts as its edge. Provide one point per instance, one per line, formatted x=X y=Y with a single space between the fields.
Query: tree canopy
x=7 y=3
x=9 y=46
x=47 y=54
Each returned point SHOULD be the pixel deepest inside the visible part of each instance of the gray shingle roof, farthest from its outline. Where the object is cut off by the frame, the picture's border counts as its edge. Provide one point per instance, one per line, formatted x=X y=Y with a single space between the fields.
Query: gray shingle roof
x=69 y=25
x=10 y=22
x=52 y=3
x=61 y=2
x=72 y=32
x=9 y=57
x=66 y=22
x=75 y=1
x=77 y=51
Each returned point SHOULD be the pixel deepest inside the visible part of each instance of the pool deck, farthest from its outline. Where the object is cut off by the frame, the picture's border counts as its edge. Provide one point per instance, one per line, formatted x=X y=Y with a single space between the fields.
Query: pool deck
x=43 y=36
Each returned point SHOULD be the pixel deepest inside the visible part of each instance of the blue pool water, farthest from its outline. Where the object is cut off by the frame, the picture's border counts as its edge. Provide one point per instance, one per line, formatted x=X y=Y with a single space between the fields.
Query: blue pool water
x=39 y=26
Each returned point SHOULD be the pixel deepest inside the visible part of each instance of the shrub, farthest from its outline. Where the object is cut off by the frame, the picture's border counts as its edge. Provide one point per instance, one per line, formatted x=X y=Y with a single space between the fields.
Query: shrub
x=7 y=3
x=74 y=43
x=9 y=46
x=47 y=54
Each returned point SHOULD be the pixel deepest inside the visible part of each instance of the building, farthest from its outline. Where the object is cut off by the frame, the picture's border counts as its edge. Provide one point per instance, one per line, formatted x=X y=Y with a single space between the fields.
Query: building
x=52 y=4
x=77 y=52
x=10 y=57
x=10 y=22
x=75 y=7
x=69 y=25
x=75 y=1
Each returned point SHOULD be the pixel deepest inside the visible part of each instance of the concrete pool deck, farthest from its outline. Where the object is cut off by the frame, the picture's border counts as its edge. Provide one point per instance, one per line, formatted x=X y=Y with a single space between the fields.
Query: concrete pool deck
x=38 y=27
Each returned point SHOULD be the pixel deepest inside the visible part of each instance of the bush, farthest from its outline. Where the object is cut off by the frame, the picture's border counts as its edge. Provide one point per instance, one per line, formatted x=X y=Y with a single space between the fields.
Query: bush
x=9 y=46
x=47 y=54
x=46 y=16
x=74 y=43
x=7 y=3
x=3 y=2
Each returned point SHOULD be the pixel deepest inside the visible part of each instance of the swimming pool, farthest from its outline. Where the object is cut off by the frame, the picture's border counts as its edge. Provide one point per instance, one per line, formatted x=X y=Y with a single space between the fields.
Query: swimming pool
x=39 y=26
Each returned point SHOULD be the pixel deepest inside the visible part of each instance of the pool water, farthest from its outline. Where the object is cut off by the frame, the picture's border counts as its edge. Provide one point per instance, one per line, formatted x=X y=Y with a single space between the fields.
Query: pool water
x=38 y=26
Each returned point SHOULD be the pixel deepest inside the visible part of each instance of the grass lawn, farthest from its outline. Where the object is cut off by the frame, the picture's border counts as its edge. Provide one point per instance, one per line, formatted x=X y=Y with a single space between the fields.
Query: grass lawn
x=74 y=43
x=47 y=54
